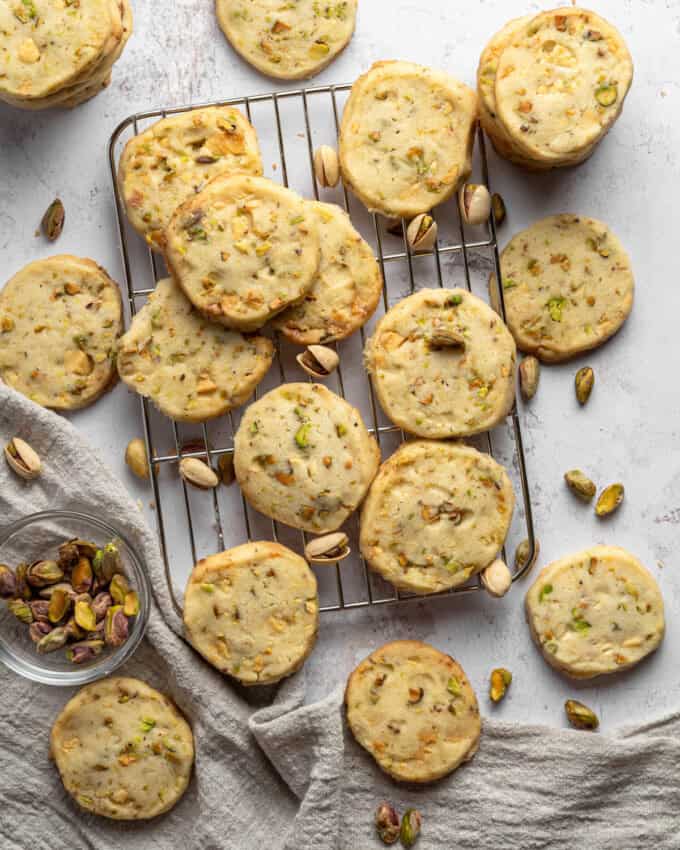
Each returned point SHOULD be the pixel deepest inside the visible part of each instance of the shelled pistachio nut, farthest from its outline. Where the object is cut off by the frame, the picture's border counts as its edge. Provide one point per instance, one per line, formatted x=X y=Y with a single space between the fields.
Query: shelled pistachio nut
x=52 y=222
x=583 y=384
x=395 y=226
x=328 y=549
x=522 y=554
x=79 y=653
x=115 y=626
x=43 y=573
x=22 y=459
x=40 y=608
x=498 y=207
x=58 y=606
x=198 y=474
x=580 y=716
x=21 y=610
x=411 y=824
x=529 y=375
x=131 y=604
x=475 y=203
x=443 y=337
x=609 y=500
x=52 y=640
x=497 y=578
x=101 y=604
x=319 y=361
x=82 y=575
x=38 y=630
x=23 y=587
x=326 y=166
x=421 y=233
x=499 y=682
x=225 y=466
x=136 y=458
x=580 y=485
x=387 y=823
x=8 y=582
x=84 y=616
x=48 y=592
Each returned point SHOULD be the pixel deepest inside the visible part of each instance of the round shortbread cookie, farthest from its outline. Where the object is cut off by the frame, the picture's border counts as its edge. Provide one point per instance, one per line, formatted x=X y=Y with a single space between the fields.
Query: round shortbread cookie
x=347 y=286
x=567 y=286
x=60 y=319
x=435 y=514
x=303 y=456
x=253 y=611
x=598 y=611
x=192 y=369
x=173 y=159
x=406 y=138
x=46 y=44
x=442 y=364
x=289 y=41
x=243 y=250
x=123 y=749
x=561 y=82
x=412 y=708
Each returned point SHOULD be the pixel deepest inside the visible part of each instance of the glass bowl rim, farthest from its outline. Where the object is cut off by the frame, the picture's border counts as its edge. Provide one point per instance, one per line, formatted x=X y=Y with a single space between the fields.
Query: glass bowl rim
x=108 y=663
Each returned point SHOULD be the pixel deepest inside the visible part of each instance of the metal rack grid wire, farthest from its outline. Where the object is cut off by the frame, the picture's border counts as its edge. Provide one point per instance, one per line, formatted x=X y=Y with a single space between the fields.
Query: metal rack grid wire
x=351 y=585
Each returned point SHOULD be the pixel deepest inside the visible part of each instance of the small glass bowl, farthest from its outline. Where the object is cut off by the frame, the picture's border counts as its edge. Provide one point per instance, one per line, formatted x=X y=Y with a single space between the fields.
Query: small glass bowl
x=38 y=536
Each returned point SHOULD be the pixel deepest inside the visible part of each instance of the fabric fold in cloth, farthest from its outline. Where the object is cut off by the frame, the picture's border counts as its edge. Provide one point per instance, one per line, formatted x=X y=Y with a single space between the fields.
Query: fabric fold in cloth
x=288 y=776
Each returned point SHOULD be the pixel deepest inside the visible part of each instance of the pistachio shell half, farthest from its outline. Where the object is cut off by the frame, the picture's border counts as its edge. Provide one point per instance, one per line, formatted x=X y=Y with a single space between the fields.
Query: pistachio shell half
x=136 y=458
x=497 y=578
x=328 y=549
x=326 y=166
x=522 y=554
x=318 y=361
x=198 y=473
x=22 y=459
x=498 y=207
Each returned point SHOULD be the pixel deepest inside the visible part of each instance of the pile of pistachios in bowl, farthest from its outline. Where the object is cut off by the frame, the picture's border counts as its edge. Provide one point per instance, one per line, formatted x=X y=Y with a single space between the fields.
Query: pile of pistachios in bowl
x=81 y=601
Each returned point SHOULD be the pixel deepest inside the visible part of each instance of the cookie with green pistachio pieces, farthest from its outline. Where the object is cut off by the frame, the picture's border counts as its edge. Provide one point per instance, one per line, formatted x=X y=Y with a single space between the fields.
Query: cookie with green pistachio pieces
x=60 y=319
x=47 y=45
x=442 y=364
x=347 y=286
x=567 y=286
x=413 y=709
x=560 y=83
x=173 y=159
x=303 y=456
x=289 y=41
x=435 y=514
x=192 y=369
x=406 y=138
x=123 y=750
x=243 y=249
x=595 y=612
x=253 y=611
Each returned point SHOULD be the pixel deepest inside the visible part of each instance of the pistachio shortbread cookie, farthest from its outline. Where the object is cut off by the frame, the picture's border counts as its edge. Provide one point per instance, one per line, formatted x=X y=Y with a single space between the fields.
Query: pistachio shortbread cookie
x=253 y=611
x=60 y=319
x=442 y=364
x=560 y=83
x=289 y=41
x=192 y=369
x=303 y=456
x=174 y=158
x=347 y=286
x=46 y=45
x=412 y=708
x=243 y=249
x=435 y=514
x=567 y=286
x=598 y=611
x=406 y=137
x=123 y=749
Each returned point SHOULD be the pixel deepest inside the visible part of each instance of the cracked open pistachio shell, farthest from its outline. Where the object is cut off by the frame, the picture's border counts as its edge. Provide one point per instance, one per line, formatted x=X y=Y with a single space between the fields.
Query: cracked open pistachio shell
x=198 y=474
x=580 y=485
x=8 y=582
x=499 y=682
x=225 y=465
x=411 y=824
x=136 y=458
x=421 y=233
x=22 y=459
x=609 y=500
x=328 y=549
x=43 y=573
x=475 y=203
x=529 y=375
x=580 y=716
x=522 y=554
x=319 y=361
x=86 y=650
x=498 y=207
x=326 y=166
x=52 y=640
x=583 y=384
x=497 y=578
x=387 y=823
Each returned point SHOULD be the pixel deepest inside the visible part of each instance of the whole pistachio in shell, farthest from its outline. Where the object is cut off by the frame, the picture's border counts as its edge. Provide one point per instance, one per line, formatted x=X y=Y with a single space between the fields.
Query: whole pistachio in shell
x=319 y=361
x=198 y=474
x=529 y=375
x=328 y=549
x=475 y=203
x=421 y=234
x=22 y=459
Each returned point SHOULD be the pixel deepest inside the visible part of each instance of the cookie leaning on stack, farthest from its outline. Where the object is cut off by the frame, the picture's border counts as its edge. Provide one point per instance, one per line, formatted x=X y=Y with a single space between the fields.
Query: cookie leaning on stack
x=551 y=86
x=57 y=54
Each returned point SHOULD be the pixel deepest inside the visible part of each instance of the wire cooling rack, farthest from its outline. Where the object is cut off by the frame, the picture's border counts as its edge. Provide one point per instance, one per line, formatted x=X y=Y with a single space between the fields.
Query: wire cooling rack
x=191 y=523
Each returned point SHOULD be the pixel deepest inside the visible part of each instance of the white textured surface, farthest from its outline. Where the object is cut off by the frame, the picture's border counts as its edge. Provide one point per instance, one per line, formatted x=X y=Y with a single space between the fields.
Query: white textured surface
x=628 y=431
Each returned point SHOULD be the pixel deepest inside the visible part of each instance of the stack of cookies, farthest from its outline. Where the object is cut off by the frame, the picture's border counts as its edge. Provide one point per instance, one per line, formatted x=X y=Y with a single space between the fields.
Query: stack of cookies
x=59 y=53
x=551 y=86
